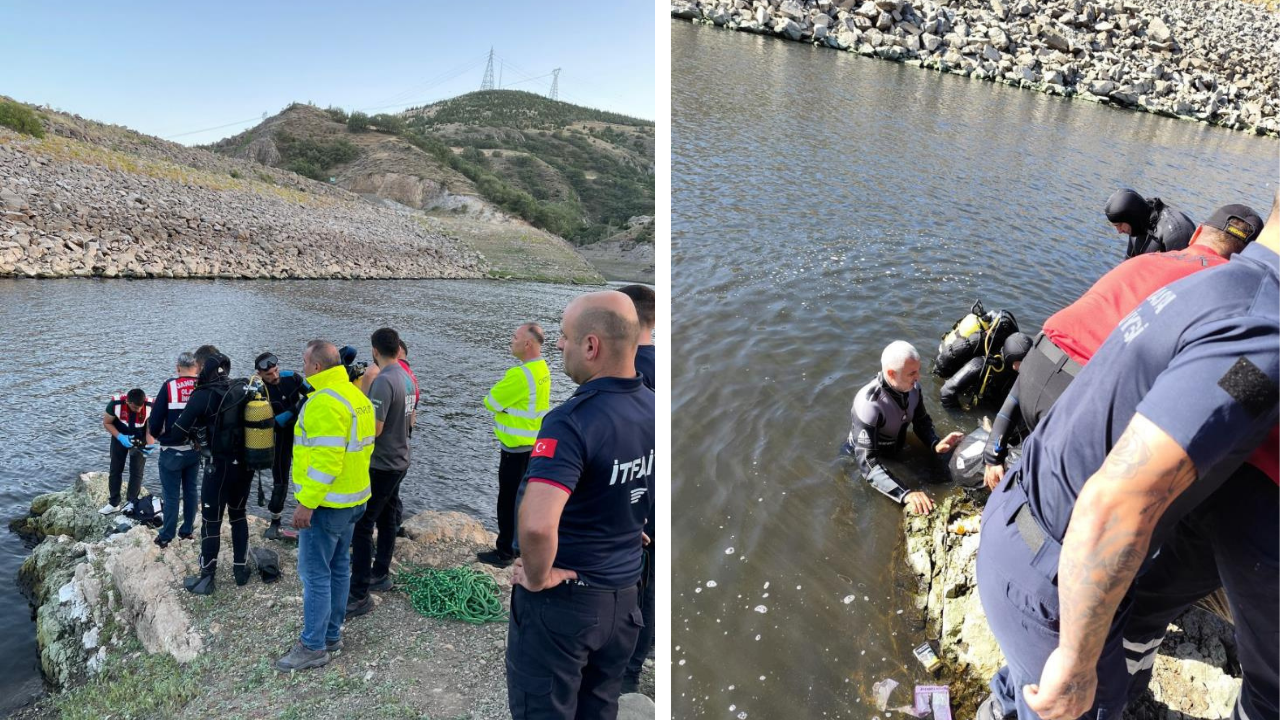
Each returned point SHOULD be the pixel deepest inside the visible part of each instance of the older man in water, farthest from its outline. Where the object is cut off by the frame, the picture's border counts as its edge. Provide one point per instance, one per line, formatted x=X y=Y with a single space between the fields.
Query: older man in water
x=574 y=610
x=881 y=412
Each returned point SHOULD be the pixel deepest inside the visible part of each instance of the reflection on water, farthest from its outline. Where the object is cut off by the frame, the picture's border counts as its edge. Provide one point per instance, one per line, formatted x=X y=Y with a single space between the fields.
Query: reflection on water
x=823 y=205
x=70 y=344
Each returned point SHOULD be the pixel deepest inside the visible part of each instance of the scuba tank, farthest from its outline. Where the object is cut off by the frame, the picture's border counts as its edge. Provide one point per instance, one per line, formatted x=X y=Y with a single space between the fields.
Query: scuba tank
x=962 y=342
x=259 y=428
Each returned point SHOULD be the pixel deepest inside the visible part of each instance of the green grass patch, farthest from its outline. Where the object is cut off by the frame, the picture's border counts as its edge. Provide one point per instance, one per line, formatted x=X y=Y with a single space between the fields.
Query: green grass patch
x=21 y=118
x=146 y=687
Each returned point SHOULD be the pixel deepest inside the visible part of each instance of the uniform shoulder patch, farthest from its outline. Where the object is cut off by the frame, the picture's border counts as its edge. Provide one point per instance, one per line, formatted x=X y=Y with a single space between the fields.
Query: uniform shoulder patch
x=1250 y=387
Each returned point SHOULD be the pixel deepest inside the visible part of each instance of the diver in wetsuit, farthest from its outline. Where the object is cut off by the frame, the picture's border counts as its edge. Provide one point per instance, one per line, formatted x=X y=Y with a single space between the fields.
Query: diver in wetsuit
x=1152 y=225
x=226 y=479
x=986 y=377
x=881 y=412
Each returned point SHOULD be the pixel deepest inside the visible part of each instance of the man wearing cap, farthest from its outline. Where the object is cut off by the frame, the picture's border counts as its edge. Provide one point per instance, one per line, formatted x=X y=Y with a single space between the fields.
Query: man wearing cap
x=1152 y=225
x=1070 y=337
x=574 y=611
x=179 y=461
x=283 y=388
x=1181 y=391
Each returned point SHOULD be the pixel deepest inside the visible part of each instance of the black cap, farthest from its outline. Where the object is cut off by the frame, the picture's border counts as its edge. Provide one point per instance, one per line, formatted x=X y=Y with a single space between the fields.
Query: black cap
x=348 y=354
x=1016 y=347
x=1238 y=221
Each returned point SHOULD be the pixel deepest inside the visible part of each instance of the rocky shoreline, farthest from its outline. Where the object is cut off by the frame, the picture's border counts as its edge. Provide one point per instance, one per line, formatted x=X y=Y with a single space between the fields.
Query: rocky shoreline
x=118 y=635
x=1195 y=676
x=1212 y=61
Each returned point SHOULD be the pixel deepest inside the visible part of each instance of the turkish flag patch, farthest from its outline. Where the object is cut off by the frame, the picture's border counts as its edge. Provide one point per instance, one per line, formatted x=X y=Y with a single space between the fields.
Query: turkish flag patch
x=545 y=447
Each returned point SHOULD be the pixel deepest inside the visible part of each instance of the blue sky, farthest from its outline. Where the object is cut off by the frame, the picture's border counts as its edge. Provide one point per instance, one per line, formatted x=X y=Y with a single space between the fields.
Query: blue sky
x=173 y=68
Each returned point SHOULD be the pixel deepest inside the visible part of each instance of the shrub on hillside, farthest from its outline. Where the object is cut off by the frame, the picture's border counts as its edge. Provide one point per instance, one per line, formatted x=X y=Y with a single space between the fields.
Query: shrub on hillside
x=337 y=114
x=358 y=122
x=19 y=117
x=392 y=124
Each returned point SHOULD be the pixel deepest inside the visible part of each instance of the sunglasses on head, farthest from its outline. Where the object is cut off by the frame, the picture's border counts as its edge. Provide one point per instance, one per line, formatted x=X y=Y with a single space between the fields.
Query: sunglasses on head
x=268 y=362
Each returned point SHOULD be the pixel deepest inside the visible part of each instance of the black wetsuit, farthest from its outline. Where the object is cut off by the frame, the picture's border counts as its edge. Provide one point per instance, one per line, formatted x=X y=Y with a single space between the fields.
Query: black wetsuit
x=226 y=478
x=966 y=383
x=283 y=397
x=880 y=417
x=1155 y=226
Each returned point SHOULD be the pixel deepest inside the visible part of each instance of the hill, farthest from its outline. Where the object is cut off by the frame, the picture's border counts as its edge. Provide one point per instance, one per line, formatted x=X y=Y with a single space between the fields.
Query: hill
x=573 y=171
x=80 y=198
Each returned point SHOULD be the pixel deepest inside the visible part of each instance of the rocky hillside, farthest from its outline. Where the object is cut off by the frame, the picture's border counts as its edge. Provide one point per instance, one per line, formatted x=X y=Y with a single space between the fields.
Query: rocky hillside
x=1208 y=60
x=573 y=171
x=89 y=200
x=84 y=199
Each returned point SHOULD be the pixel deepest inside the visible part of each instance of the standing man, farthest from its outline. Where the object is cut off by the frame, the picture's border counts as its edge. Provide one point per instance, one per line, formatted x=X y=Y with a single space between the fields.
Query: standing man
x=881 y=412
x=642 y=297
x=226 y=481
x=574 y=613
x=283 y=388
x=126 y=420
x=518 y=401
x=179 y=463
x=1072 y=335
x=332 y=445
x=1168 y=407
x=392 y=396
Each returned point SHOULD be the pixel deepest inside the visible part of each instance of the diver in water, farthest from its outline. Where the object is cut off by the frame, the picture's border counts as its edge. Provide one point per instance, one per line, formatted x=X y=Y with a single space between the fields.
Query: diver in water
x=881 y=412
x=227 y=476
x=1152 y=225
x=988 y=377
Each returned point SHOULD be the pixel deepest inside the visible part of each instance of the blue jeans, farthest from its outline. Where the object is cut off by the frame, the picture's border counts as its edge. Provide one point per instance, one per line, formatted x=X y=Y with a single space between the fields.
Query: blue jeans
x=324 y=566
x=179 y=473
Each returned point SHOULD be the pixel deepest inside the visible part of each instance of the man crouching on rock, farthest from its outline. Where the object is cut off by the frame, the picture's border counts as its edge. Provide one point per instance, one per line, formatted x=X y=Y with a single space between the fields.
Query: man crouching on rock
x=333 y=441
x=881 y=411
x=575 y=614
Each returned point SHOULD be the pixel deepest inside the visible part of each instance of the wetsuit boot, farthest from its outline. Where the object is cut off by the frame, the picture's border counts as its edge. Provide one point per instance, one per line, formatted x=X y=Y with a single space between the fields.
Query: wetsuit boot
x=202 y=584
x=273 y=531
x=241 y=571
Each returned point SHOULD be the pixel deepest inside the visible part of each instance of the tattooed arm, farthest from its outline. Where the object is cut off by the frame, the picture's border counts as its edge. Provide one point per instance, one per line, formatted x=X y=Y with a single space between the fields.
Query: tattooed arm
x=1106 y=542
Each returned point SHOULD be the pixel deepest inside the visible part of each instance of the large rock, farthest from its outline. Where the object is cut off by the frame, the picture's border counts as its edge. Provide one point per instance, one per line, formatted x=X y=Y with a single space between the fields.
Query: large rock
x=430 y=527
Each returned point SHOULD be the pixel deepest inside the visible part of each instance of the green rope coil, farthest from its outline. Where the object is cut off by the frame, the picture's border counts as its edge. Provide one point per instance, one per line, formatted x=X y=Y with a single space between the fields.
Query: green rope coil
x=461 y=593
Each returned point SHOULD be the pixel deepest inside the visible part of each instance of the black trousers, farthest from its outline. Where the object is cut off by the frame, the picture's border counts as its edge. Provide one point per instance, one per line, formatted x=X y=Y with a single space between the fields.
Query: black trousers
x=382 y=512
x=136 y=463
x=511 y=469
x=280 y=468
x=1044 y=375
x=225 y=490
x=647 y=598
x=567 y=647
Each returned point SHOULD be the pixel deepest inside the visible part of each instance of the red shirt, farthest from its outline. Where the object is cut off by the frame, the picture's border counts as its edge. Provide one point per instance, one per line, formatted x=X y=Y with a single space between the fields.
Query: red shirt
x=416 y=395
x=1080 y=328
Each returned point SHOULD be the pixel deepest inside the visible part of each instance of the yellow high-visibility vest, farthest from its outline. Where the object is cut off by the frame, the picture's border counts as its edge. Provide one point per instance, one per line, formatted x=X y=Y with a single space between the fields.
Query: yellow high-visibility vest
x=332 y=443
x=518 y=401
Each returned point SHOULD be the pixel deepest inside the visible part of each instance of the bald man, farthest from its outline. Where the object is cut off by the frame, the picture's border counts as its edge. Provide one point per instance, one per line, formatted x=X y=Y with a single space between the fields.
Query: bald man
x=574 y=611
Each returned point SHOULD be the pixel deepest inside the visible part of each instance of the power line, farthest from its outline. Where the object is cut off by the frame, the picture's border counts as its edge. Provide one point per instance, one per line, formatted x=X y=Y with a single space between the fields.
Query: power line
x=209 y=129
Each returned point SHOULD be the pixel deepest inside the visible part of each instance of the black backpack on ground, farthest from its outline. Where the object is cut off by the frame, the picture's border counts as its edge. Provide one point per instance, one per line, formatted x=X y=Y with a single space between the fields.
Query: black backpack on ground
x=148 y=510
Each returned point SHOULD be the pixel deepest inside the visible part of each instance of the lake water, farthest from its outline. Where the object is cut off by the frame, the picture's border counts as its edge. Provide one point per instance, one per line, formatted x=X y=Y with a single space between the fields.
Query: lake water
x=825 y=204
x=70 y=344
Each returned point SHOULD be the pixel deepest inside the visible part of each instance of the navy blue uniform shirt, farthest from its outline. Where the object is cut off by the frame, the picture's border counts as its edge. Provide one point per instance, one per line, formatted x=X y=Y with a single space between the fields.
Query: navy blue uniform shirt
x=169 y=404
x=645 y=362
x=598 y=446
x=1200 y=358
